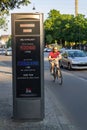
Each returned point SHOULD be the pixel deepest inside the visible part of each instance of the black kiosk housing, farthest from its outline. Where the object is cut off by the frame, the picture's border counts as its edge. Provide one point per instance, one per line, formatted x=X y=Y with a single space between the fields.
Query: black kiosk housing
x=28 y=66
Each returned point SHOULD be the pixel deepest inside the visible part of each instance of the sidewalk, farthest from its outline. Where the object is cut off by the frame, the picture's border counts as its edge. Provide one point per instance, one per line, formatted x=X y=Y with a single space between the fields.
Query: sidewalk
x=54 y=116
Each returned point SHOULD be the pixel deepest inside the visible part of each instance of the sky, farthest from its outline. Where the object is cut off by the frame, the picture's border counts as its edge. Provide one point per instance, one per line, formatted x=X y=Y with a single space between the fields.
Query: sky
x=44 y=6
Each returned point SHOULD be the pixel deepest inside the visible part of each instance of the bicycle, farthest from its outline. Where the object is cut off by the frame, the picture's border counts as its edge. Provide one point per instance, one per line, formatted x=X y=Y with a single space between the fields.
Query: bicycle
x=57 y=75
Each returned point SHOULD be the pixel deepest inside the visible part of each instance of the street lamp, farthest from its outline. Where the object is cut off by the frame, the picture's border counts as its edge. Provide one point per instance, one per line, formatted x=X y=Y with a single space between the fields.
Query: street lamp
x=33 y=7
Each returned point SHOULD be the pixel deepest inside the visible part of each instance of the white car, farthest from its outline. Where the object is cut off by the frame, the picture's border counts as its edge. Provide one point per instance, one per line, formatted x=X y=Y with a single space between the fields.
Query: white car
x=74 y=59
x=2 y=51
x=8 y=52
x=47 y=49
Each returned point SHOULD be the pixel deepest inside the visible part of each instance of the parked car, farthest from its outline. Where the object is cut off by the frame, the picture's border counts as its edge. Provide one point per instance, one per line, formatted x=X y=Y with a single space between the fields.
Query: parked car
x=2 y=51
x=74 y=59
x=47 y=49
x=8 y=52
x=62 y=50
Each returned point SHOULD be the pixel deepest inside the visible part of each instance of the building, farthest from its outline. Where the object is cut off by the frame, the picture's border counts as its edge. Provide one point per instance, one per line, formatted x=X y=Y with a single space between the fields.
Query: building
x=3 y=40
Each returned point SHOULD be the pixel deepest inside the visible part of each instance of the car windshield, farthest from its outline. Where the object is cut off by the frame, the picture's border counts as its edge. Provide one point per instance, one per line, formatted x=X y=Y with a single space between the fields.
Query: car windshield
x=76 y=54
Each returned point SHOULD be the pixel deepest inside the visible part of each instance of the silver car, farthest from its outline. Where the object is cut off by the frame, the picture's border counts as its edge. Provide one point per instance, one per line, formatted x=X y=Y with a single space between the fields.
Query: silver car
x=74 y=59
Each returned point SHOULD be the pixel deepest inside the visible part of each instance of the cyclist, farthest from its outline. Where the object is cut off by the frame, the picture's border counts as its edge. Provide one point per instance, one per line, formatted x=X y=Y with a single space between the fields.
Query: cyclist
x=54 y=57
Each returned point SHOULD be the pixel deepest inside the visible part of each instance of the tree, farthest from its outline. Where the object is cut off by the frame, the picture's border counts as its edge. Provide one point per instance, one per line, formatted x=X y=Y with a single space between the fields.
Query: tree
x=77 y=29
x=49 y=25
x=49 y=38
x=66 y=28
x=9 y=42
x=61 y=24
x=11 y=4
x=3 y=22
x=6 y=6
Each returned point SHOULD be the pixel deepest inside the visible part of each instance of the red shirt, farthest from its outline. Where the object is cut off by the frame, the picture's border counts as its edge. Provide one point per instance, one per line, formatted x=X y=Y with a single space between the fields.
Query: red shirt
x=54 y=55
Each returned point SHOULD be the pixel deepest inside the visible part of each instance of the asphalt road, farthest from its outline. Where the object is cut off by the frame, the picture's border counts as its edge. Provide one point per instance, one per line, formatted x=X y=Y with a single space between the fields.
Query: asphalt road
x=72 y=94
x=6 y=60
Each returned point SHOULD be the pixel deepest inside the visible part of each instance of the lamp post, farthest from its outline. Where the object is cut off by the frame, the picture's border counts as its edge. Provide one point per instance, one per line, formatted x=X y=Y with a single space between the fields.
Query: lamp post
x=33 y=7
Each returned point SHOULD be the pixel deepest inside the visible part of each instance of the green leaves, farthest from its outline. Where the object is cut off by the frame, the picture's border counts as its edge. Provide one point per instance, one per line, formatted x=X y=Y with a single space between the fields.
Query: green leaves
x=65 y=27
x=5 y=6
x=11 y=4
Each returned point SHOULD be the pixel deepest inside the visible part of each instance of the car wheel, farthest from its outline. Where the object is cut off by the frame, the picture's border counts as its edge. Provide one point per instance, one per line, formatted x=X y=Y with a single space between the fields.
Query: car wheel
x=69 y=66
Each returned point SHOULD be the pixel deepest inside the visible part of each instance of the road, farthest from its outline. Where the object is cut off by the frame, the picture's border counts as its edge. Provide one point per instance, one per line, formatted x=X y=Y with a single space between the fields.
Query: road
x=6 y=60
x=72 y=94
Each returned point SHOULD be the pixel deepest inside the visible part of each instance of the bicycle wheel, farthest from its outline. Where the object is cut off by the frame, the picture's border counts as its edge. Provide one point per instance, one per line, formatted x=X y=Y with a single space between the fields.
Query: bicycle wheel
x=59 y=76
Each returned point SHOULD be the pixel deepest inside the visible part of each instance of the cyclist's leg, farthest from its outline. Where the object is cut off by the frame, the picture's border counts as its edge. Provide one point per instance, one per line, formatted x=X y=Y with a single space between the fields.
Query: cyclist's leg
x=59 y=74
x=58 y=68
x=52 y=67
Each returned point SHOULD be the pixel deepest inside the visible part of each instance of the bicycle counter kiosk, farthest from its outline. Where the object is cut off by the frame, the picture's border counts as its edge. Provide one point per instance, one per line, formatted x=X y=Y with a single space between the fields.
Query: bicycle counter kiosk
x=27 y=63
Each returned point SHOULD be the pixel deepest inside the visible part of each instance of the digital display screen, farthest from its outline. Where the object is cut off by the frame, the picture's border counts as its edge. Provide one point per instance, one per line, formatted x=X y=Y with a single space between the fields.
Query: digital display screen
x=28 y=67
x=27 y=27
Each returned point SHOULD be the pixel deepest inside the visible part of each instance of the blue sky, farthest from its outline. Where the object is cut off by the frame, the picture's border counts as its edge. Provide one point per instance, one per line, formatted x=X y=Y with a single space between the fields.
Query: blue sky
x=44 y=6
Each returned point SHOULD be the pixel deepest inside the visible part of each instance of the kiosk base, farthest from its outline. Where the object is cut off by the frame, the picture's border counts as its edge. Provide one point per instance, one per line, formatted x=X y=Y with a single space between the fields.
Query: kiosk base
x=28 y=109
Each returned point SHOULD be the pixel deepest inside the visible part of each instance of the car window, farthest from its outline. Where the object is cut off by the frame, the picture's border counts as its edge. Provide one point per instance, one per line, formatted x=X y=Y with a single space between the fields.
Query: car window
x=74 y=54
x=79 y=54
x=71 y=54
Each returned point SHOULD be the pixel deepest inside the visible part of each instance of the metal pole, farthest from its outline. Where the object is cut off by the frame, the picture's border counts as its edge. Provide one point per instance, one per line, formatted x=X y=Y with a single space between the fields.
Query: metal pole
x=76 y=7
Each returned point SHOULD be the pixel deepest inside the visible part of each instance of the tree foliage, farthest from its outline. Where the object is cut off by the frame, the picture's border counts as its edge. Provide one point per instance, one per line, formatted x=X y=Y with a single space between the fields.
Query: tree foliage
x=9 y=42
x=65 y=27
x=6 y=6
x=11 y=4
